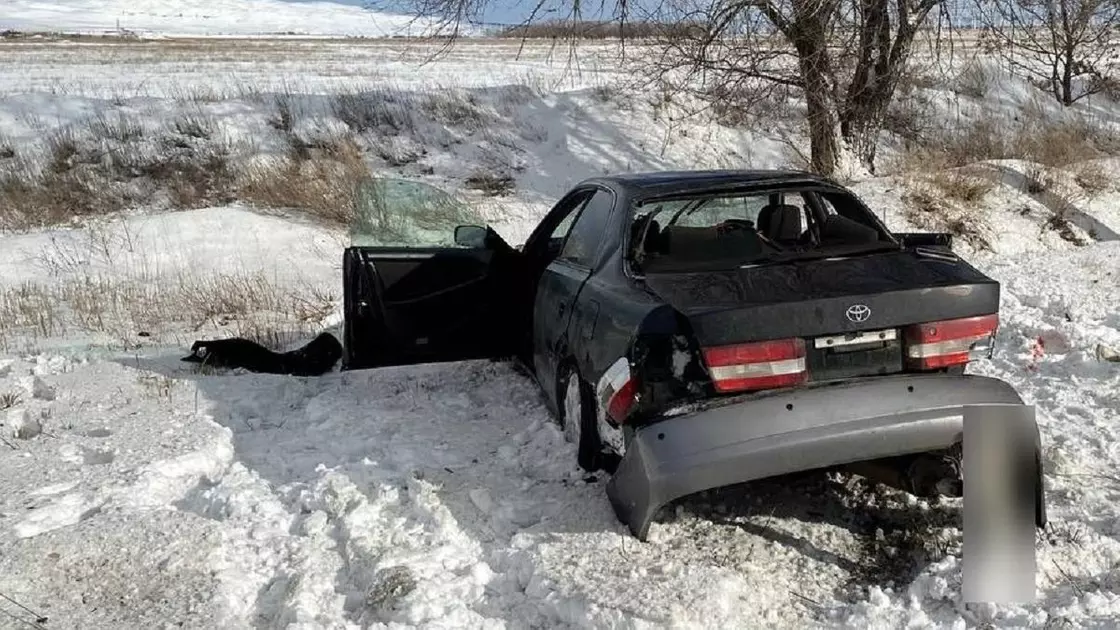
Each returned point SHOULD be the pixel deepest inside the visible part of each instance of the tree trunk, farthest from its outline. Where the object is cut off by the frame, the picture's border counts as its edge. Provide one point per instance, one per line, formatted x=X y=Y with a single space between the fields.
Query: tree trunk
x=820 y=96
x=1066 y=97
x=824 y=141
x=882 y=58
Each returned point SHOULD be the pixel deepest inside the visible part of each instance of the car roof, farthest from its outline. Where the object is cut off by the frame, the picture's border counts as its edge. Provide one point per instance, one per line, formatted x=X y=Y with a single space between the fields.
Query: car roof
x=658 y=183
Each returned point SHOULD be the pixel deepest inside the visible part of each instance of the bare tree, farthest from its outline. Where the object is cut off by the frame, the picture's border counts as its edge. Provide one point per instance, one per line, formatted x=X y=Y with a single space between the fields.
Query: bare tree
x=845 y=57
x=1063 y=44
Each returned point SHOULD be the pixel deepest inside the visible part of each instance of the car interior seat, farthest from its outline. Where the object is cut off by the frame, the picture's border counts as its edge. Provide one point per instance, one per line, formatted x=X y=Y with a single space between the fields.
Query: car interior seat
x=781 y=223
x=650 y=243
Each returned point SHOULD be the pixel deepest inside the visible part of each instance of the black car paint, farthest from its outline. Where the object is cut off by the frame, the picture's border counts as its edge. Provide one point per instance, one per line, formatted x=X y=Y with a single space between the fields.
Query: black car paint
x=591 y=316
x=569 y=322
x=396 y=303
x=765 y=302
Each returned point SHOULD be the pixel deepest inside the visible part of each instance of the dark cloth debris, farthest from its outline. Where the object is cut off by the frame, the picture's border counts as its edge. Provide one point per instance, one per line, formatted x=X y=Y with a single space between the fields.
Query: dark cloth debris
x=313 y=359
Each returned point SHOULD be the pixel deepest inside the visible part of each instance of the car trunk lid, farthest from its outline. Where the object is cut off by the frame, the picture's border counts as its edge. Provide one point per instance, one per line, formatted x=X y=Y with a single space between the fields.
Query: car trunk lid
x=851 y=313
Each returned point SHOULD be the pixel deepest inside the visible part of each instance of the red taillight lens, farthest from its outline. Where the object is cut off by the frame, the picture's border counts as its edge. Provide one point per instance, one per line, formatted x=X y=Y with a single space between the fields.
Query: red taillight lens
x=754 y=366
x=617 y=391
x=936 y=345
x=621 y=402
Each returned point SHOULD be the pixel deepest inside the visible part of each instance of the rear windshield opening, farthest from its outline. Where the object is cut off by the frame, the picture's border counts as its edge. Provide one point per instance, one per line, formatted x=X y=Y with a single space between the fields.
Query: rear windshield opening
x=721 y=231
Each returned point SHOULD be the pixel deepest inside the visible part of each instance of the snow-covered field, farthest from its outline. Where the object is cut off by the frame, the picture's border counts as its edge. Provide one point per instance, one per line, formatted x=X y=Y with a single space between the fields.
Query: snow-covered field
x=212 y=18
x=136 y=492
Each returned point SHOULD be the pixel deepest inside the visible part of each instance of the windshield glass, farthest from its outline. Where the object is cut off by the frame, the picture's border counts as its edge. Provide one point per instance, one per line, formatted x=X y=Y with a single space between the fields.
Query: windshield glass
x=403 y=213
x=720 y=231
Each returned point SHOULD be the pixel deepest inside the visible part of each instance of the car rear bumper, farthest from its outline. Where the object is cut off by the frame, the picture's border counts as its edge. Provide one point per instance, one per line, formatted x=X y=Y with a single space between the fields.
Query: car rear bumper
x=757 y=436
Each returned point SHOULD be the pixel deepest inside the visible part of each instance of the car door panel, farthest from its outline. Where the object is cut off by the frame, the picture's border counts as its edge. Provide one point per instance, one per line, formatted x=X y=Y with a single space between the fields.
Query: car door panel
x=560 y=316
x=556 y=297
x=415 y=305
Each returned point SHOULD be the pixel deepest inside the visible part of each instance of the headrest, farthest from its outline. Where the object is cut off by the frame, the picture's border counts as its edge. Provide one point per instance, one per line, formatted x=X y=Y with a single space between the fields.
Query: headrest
x=780 y=222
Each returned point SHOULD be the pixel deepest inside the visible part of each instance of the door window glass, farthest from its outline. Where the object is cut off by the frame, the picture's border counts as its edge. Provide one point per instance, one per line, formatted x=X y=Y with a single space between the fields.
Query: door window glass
x=583 y=240
x=402 y=213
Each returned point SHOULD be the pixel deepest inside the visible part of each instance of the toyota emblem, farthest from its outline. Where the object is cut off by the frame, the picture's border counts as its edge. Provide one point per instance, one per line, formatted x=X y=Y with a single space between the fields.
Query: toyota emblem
x=858 y=313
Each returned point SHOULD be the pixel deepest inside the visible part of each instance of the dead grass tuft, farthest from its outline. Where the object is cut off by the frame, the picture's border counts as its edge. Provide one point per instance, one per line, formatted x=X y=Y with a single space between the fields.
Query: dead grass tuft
x=194 y=125
x=63 y=149
x=30 y=199
x=975 y=80
x=1092 y=178
x=1060 y=223
x=962 y=187
x=493 y=184
x=457 y=108
x=1039 y=179
x=283 y=119
x=385 y=110
x=8 y=400
x=929 y=211
x=321 y=183
x=119 y=128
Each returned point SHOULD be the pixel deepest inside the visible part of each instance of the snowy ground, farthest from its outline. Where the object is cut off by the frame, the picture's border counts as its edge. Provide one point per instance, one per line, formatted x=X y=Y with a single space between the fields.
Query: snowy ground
x=138 y=493
x=211 y=18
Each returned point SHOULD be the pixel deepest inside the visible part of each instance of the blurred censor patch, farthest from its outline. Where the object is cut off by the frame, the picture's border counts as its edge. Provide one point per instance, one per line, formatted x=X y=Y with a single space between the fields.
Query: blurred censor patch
x=1000 y=471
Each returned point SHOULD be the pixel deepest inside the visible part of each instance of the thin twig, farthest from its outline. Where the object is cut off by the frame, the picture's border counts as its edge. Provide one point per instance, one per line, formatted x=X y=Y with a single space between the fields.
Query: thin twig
x=806 y=598
x=33 y=624
x=1069 y=578
x=9 y=444
x=37 y=616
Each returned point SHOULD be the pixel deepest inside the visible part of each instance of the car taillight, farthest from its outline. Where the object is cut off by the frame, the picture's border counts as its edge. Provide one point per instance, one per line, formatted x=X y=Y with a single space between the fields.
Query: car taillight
x=753 y=366
x=936 y=345
x=617 y=392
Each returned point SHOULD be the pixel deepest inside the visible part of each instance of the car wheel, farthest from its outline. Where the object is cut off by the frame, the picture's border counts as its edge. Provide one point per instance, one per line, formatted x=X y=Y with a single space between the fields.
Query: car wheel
x=577 y=419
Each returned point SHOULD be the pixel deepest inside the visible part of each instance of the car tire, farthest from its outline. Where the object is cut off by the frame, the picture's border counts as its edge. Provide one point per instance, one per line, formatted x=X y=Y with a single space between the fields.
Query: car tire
x=576 y=405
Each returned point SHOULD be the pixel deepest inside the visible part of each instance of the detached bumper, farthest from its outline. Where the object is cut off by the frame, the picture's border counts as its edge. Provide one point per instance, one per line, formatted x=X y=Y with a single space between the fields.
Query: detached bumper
x=757 y=436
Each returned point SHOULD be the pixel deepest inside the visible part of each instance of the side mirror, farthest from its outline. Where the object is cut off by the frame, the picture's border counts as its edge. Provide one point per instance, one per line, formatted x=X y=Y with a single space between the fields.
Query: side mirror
x=472 y=236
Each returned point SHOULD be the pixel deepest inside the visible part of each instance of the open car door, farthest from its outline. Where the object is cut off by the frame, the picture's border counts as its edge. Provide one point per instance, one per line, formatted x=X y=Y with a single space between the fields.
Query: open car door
x=423 y=281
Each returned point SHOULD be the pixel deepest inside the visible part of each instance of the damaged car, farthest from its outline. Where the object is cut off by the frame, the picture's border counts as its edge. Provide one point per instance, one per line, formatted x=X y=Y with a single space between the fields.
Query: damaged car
x=694 y=330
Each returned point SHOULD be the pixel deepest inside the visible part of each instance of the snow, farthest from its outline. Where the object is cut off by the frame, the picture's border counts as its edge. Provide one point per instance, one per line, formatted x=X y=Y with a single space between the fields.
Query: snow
x=137 y=492
x=210 y=18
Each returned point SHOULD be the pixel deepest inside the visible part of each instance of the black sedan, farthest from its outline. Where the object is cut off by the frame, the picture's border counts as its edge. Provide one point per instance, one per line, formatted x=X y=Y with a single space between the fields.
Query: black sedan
x=692 y=330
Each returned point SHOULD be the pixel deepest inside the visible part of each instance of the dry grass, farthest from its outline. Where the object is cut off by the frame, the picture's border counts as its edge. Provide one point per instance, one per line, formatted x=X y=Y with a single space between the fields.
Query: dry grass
x=1060 y=223
x=120 y=127
x=321 y=181
x=386 y=111
x=457 y=108
x=1092 y=178
x=1033 y=137
x=929 y=210
x=104 y=167
x=8 y=400
x=960 y=186
x=1039 y=179
x=493 y=184
x=194 y=125
x=110 y=162
x=125 y=308
x=975 y=80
